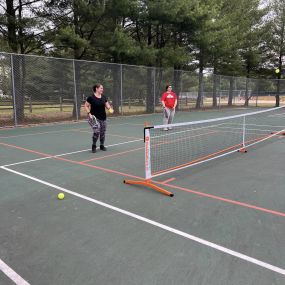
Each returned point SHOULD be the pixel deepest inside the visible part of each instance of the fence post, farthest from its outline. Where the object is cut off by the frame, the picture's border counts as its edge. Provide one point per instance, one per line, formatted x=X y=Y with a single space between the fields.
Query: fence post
x=60 y=103
x=14 y=92
x=75 y=90
x=154 y=90
x=202 y=92
x=256 y=104
x=219 y=88
x=121 y=87
x=30 y=104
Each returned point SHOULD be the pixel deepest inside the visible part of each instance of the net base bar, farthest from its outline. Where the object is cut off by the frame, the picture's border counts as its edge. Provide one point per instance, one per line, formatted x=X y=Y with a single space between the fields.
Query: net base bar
x=148 y=183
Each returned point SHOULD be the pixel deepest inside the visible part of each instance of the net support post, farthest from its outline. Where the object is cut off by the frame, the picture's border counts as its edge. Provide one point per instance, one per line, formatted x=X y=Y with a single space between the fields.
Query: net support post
x=147 y=181
x=243 y=148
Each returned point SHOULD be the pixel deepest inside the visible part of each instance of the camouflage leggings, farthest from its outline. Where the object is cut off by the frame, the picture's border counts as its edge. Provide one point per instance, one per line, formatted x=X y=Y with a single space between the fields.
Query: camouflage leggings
x=99 y=131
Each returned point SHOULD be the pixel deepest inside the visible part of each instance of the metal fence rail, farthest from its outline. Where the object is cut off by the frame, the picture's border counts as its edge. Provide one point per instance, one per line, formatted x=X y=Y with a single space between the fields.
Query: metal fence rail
x=36 y=89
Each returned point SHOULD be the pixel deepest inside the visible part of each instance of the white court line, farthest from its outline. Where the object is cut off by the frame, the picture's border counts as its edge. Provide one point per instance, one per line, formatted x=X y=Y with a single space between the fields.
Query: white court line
x=158 y=225
x=63 y=154
x=14 y=276
x=39 y=133
x=187 y=131
x=277 y=115
x=51 y=132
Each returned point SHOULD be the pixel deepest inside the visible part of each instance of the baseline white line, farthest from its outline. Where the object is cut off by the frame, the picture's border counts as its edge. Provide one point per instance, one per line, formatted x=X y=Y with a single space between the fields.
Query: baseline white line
x=27 y=161
x=63 y=154
x=14 y=276
x=39 y=133
x=186 y=131
x=159 y=225
x=277 y=115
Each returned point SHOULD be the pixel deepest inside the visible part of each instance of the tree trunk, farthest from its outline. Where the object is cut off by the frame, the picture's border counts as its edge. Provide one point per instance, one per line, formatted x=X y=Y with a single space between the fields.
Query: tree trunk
x=150 y=91
x=199 y=101
x=158 y=87
x=231 y=93
x=116 y=99
x=78 y=99
x=200 y=90
x=215 y=87
x=77 y=55
x=246 y=97
x=11 y=25
x=177 y=84
x=19 y=72
x=277 y=96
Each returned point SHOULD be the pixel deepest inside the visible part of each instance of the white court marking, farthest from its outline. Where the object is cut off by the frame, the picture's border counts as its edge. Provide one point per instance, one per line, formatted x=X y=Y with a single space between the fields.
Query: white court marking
x=156 y=224
x=14 y=276
x=63 y=154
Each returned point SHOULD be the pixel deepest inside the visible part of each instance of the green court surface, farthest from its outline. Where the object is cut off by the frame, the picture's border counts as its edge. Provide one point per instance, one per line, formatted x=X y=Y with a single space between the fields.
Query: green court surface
x=224 y=225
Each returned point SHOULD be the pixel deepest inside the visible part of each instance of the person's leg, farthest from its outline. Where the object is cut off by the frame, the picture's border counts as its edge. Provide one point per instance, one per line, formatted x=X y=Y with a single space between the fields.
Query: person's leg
x=96 y=133
x=171 y=117
x=103 y=127
x=166 y=112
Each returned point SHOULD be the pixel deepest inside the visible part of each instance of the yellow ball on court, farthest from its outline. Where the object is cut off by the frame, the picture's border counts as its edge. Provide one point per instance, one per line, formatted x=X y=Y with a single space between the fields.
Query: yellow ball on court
x=111 y=110
x=277 y=70
x=60 y=196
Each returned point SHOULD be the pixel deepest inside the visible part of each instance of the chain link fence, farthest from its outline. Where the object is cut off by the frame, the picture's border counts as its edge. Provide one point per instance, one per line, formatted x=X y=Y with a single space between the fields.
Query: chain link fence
x=36 y=89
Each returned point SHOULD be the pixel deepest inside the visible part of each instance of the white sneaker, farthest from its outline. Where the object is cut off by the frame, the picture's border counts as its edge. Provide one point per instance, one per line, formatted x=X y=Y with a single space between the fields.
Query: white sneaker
x=165 y=129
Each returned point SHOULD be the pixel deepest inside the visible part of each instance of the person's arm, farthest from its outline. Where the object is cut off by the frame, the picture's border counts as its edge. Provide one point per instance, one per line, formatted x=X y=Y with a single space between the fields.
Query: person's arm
x=87 y=107
x=175 y=103
x=162 y=101
x=107 y=105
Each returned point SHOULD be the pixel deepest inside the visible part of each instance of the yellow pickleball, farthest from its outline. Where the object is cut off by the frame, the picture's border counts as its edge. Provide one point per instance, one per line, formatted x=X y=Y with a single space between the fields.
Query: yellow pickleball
x=111 y=110
x=60 y=196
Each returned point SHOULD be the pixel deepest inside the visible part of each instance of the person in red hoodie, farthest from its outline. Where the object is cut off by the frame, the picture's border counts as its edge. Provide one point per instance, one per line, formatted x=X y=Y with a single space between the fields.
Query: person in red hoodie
x=169 y=102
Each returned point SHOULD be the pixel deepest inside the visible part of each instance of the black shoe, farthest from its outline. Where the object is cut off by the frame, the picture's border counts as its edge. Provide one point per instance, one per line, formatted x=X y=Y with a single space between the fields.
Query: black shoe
x=103 y=148
x=93 y=148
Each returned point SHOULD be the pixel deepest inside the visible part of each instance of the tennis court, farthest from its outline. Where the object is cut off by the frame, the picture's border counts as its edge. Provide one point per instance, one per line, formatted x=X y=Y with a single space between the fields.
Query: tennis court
x=224 y=225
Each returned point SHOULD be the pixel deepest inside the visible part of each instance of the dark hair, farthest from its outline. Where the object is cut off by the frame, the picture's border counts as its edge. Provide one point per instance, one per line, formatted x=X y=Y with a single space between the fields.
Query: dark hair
x=97 y=85
x=168 y=85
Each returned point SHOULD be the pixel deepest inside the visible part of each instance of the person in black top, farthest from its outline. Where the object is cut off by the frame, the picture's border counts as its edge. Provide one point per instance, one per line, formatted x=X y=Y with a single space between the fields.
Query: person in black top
x=95 y=106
